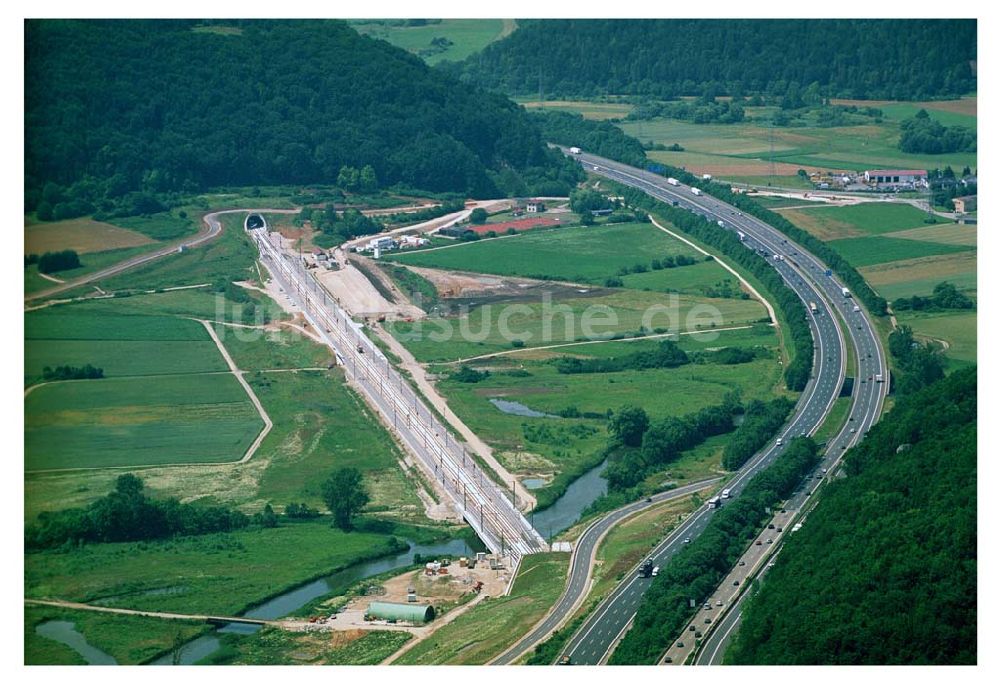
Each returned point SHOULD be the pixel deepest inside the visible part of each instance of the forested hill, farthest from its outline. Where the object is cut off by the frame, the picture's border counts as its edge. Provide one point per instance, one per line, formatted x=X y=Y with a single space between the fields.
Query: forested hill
x=867 y=59
x=884 y=569
x=163 y=106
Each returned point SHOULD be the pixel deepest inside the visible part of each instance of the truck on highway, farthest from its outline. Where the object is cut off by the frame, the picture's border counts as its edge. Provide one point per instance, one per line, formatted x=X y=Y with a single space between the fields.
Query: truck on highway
x=846 y=292
x=727 y=493
x=812 y=307
x=715 y=502
x=672 y=181
x=646 y=569
x=695 y=191
x=575 y=150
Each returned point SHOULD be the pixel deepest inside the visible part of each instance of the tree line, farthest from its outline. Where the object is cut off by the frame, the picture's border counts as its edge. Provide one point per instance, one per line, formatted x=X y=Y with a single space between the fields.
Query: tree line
x=761 y=421
x=849 y=58
x=705 y=110
x=122 y=117
x=923 y=135
x=128 y=513
x=53 y=261
x=885 y=567
x=640 y=445
x=67 y=372
x=798 y=369
x=695 y=571
x=945 y=296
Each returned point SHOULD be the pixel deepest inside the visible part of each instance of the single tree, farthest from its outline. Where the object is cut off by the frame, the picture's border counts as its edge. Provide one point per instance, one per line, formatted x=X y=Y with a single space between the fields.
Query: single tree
x=344 y=494
x=629 y=424
x=478 y=216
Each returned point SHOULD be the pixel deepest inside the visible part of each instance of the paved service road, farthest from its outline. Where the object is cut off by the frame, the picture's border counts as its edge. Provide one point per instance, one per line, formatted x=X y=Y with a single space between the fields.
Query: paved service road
x=584 y=553
x=805 y=275
x=483 y=504
x=212 y=228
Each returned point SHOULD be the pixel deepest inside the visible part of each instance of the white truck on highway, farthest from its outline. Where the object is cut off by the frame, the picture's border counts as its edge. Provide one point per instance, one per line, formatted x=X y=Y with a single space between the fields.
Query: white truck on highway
x=695 y=191
x=575 y=150
x=727 y=493
x=846 y=292
x=672 y=181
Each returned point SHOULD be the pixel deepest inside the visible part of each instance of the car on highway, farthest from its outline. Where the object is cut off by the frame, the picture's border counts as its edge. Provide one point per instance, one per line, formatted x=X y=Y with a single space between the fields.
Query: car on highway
x=687 y=540
x=656 y=571
x=718 y=602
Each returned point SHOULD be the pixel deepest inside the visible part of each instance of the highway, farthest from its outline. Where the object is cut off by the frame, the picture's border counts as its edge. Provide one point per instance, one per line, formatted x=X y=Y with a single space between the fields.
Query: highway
x=803 y=273
x=483 y=504
x=584 y=553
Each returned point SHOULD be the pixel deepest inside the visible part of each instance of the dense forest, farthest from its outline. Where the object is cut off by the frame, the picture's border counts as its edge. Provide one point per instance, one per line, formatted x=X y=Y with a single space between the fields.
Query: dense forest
x=884 y=570
x=863 y=59
x=120 y=113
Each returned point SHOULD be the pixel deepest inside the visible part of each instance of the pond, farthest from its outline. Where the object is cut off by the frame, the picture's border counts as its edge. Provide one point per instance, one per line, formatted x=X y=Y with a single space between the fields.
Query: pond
x=516 y=408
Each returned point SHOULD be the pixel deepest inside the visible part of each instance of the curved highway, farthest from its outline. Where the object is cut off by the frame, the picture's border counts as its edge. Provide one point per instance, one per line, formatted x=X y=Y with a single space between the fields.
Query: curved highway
x=212 y=228
x=806 y=275
x=584 y=553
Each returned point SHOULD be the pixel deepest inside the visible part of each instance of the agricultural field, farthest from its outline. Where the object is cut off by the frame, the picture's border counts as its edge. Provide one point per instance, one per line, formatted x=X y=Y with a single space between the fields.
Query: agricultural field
x=100 y=244
x=122 y=345
x=578 y=254
x=902 y=256
x=462 y=37
x=955 y=331
x=138 y=421
x=614 y=312
x=596 y=111
x=862 y=251
x=871 y=218
x=486 y=630
x=83 y=235
x=231 y=255
x=918 y=276
x=742 y=152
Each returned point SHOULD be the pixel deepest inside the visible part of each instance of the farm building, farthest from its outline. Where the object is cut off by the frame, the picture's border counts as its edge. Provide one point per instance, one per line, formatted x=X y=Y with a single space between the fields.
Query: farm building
x=411 y=613
x=535 y=207
x=965 y=204
x=896 y=178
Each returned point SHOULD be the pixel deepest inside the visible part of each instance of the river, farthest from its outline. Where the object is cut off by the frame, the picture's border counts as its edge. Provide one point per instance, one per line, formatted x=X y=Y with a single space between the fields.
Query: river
x=291 y=601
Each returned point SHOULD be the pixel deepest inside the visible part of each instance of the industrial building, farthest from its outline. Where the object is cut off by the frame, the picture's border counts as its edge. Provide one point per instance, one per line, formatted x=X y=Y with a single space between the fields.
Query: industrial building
x=896 y=178
x=418 y=614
